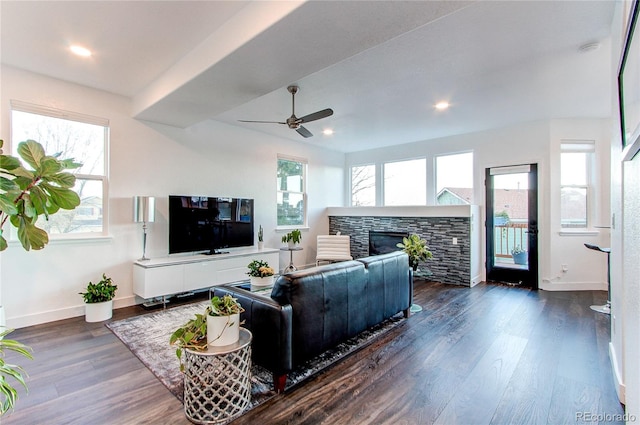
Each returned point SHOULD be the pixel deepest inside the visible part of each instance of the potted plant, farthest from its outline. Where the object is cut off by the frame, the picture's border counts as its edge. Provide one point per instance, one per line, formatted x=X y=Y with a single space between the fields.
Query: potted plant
x=260 y=273
x=260 y=238
x=192 y=335
x=99 y=300
x=416 y=248
x=292 y=238
x=519 y=255
x=223 y=321
x=9 y=393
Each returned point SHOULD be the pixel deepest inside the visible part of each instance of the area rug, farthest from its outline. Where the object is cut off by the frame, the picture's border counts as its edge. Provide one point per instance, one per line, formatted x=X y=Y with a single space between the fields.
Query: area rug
x=147 y=336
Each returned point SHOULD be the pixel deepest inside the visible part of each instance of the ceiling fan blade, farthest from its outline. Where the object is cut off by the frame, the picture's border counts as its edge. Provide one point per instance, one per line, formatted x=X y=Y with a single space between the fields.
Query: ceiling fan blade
x=316 y=115
x=304 y=132
x=264 y=122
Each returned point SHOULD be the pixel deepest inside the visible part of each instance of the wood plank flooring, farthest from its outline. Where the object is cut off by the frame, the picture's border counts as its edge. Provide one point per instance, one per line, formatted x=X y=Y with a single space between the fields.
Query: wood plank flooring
x=490 y=354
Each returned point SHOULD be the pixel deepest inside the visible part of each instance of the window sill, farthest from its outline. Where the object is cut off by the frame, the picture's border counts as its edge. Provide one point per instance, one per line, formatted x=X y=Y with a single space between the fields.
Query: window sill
x=579 y=232
x=70 y=240
x=286 y=229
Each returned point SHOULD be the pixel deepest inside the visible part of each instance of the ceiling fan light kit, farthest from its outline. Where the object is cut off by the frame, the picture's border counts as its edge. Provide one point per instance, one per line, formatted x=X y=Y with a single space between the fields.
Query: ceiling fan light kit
x=294 y=122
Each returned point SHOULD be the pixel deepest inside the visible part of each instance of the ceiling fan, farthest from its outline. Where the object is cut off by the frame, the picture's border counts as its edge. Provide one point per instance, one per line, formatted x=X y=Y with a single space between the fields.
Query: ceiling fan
x=294 y=122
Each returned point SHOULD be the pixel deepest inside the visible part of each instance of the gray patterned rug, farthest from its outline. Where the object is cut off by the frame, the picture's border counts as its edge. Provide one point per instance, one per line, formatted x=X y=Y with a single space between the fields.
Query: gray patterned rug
x=147 y=336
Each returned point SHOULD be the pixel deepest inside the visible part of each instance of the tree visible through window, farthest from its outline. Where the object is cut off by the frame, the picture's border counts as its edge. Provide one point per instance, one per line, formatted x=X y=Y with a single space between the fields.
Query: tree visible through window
x=291 y=196
x=77 y=136
x=363 y=185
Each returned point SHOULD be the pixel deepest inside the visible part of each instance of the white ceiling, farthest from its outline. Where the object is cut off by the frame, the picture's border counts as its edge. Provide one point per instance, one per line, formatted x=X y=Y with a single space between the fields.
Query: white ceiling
x=380 y=65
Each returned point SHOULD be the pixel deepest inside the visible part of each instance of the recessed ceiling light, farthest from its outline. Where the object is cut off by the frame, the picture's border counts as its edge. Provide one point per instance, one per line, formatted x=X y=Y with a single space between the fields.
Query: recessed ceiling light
x=80 y=51
x=441 y=106
x=327 y=132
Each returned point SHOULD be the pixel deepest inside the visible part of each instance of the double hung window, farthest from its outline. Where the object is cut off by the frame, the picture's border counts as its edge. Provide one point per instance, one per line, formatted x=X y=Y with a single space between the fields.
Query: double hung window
x=292 y=196
x=81 y=137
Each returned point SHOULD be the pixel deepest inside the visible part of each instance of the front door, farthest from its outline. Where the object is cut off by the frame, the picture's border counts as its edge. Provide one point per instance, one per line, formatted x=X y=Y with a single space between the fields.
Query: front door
x=512 y=225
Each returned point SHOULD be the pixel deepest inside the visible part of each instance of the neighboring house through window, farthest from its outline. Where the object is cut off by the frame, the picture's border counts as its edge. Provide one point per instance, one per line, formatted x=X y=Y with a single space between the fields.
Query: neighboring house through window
x=454 y=179
x=81 y=137
x=292 y=196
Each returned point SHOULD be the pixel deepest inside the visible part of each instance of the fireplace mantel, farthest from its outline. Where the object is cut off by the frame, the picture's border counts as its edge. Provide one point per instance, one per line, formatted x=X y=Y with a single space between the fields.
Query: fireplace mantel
x=406 y=211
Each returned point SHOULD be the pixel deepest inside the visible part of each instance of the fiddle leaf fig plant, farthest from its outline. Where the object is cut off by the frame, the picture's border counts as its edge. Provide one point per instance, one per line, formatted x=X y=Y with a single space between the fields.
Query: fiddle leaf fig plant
x=41 y=187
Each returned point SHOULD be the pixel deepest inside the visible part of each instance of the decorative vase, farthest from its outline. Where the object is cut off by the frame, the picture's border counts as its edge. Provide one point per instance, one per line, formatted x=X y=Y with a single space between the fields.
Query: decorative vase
x=223 y=330
x=98 y=312
x=261 y=281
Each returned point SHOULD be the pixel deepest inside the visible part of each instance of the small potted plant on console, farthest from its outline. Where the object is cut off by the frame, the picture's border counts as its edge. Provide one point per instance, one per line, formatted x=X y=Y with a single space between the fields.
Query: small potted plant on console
x=260 y=273
x=99 y=300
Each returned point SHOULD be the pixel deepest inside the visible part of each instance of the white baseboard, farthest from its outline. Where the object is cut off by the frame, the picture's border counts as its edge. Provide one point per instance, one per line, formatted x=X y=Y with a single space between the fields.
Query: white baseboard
x=548 y=285
x=60 y=314
x=475 y=280
x=617 y=376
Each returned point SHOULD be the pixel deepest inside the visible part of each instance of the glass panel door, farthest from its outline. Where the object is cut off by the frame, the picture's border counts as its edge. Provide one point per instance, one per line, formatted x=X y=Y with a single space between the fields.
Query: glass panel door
x=512 y=225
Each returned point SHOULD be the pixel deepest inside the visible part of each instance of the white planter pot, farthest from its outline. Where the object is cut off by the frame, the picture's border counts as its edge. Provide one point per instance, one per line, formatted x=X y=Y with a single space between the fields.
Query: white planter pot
x=260 y=246
x=98 y=312
x=292 y=244
x=261 y=281
x=223 y=330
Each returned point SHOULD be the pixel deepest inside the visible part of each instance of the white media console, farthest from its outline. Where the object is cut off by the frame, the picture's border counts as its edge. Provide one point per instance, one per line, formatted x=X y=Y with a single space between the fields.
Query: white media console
x=159 y=277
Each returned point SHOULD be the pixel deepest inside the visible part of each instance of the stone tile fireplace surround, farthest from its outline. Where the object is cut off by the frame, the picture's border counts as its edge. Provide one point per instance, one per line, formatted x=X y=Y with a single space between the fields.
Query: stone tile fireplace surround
x=451 y=263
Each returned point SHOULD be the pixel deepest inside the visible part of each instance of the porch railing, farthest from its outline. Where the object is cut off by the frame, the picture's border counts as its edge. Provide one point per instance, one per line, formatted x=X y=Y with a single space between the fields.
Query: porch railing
x=508 y=236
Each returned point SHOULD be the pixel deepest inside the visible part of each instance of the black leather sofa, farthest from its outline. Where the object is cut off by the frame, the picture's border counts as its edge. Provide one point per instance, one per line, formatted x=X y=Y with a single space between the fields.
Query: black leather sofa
x=312 y=310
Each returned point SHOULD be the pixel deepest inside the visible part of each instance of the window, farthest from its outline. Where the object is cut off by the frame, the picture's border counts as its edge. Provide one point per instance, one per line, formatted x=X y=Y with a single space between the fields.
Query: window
x=405 y=182
x=575 y=172
x=454 y=179
x=292 y=197
x=77 y=136
x=363 y=185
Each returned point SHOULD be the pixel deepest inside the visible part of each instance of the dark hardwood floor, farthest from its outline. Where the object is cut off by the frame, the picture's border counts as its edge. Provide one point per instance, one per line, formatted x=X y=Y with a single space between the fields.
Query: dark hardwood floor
x=490 y=354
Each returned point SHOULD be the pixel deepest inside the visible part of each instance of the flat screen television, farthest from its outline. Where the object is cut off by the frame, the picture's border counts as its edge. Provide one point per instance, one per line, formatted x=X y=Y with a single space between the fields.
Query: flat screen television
x=201 y=223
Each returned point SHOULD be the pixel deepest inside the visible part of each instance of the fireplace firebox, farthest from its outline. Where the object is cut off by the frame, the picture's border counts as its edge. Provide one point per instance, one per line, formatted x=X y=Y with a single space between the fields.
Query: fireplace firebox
x=384 y=242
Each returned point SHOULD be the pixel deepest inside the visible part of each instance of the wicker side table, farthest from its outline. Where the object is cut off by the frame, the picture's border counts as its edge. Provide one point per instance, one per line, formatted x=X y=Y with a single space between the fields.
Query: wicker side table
x=217 y=381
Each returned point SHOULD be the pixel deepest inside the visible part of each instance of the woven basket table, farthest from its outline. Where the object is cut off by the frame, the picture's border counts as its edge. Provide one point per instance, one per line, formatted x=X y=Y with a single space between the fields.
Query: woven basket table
x=217 y=381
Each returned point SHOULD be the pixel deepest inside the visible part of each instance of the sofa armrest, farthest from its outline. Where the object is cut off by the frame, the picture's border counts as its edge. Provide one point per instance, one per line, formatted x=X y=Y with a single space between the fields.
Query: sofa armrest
x=271 y=326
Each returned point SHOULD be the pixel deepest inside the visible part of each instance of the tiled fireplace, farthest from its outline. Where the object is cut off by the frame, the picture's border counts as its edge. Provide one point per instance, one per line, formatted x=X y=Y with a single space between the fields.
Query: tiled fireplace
x=451 y=263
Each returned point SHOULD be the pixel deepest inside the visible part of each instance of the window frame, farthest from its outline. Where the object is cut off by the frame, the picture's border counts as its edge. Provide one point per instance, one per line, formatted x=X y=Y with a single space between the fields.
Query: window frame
x=579 y=146
x=305 y=205
x=20 y=106
x=375 y=184
x=384 y=177
x=435 y=174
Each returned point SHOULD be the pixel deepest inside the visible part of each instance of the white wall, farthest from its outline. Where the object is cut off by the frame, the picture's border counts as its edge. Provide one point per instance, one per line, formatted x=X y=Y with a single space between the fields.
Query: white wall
x=209 y=159
x=523 y=144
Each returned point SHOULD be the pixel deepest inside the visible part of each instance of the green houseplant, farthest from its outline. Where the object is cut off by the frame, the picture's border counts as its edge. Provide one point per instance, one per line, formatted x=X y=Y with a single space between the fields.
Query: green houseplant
x=416 y=248
x=293 y=237
x=519 y=255
x=98 y=299
x=200 y=332
x=40 y=188
x=26 y=193
x=260 y=273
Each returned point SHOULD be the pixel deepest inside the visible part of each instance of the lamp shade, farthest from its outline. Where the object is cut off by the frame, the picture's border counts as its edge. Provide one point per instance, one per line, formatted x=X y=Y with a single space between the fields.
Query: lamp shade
x=144 y=209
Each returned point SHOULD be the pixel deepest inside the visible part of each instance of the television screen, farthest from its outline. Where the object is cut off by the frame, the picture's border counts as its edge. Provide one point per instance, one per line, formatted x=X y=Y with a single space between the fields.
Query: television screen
x=200 y=223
